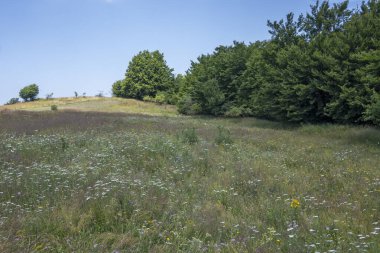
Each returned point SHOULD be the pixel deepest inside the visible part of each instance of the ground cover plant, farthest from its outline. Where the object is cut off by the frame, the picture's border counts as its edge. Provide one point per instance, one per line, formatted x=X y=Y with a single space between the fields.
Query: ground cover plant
x=106 y=182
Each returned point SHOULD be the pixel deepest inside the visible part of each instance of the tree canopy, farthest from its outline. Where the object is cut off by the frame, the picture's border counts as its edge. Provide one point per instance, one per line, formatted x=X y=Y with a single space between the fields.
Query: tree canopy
x=321 y=66
x=147 y=75
x=29 y=93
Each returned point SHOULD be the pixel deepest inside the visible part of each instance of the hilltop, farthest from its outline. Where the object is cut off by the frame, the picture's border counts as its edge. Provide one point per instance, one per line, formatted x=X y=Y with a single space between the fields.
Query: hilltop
x=96 y=104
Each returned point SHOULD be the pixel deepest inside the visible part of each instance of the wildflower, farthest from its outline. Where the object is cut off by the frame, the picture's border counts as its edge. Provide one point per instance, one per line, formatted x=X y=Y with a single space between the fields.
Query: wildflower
x=295 y=203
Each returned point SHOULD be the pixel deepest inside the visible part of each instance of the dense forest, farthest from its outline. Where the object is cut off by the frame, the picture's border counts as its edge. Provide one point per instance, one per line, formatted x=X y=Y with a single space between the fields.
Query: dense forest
x=323 y=66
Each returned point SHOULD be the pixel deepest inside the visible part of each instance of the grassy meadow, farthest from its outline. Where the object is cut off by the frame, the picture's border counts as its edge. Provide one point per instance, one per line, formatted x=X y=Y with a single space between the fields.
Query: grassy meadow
x=98 y=180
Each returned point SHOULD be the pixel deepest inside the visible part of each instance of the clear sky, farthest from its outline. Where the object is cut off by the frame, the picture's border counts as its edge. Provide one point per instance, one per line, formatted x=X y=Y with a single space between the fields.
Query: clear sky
x=86 y=45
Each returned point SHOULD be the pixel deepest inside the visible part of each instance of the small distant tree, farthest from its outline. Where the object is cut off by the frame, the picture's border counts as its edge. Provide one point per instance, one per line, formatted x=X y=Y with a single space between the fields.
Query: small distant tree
x=100 y=94
x=12 y=101
x=49 y=95
x=29 y=93
x=76 y=94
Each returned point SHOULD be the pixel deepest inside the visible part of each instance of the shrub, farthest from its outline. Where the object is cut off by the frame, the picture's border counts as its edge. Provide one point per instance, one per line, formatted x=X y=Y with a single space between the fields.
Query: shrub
x=160 y=98
x=54 y=107
x=223 y=136
x=189 y=136
x=13 y=101
x=234 y=112
x=184 y=105
x=100 y=94
x=148 y=99
x=49 y=95
x=373 y=112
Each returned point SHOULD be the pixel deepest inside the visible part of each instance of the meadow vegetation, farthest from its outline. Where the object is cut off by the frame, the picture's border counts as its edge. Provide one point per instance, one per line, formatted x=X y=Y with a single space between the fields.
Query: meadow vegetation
x=112 y=182
x=96 y=104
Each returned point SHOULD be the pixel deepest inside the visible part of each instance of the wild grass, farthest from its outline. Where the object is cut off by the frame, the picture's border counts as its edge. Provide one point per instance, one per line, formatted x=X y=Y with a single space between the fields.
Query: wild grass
x=111 y=182
x=96 y=104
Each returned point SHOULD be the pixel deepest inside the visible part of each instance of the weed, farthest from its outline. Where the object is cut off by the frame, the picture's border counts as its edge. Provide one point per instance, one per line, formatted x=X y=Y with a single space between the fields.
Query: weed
x=189 y=136
x=223 y=136
x=111 y=182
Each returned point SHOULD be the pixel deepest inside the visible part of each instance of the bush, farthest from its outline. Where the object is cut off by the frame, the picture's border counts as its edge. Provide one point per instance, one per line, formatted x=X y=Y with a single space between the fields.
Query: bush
x=54 y=107
x=234 y=112
x=100 y=94
x=223 y=136
x=160 y=98
x=189 y=136
x=49 y=96
x=148 y=99
x=184 y=104
x=188 y=107
x=13 y=101
x=374 y=113
x=29 y=93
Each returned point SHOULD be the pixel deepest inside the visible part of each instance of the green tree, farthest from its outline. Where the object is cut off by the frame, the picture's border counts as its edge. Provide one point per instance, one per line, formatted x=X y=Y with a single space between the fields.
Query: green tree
x=147 y=75
x=323 y=67
x=12 y=101
x=29 y=93
x=212 y=84
x=324 y=18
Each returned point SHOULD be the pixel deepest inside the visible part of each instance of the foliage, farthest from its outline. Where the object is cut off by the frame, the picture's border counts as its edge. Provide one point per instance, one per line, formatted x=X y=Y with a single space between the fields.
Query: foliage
x=13 y=101
x=102 y=183
x=373 y=111
x=322 y=67
x=29 y=93
x=54 y=107
x=49 y=96
x=223 y=136
x=189 y=135
x=160 y=98
x=99 y=94
x=147 y=74
x=213 y=82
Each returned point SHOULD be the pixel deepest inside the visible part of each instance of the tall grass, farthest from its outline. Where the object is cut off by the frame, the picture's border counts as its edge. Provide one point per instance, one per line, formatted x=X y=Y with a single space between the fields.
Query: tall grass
x=95 y=182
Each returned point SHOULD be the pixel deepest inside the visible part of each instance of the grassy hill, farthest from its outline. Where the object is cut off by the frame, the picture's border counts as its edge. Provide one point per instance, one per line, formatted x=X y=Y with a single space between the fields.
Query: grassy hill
x=84 y=180
x=96 y=104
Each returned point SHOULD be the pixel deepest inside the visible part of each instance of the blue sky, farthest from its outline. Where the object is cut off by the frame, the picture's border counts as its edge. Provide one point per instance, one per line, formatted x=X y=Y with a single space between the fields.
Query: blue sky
x=86 y=45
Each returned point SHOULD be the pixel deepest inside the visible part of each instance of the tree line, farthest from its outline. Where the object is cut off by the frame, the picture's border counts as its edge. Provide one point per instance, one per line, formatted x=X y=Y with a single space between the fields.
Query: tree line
x=322 y=66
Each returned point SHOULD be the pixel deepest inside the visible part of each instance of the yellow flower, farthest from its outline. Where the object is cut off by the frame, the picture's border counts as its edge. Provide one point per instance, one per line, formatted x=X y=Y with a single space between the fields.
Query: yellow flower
x=295 y=203
x=167 y=238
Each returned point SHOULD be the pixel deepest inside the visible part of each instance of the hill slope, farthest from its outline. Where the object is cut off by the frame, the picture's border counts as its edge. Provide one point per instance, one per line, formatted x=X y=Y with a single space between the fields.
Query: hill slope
x=96 y=104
